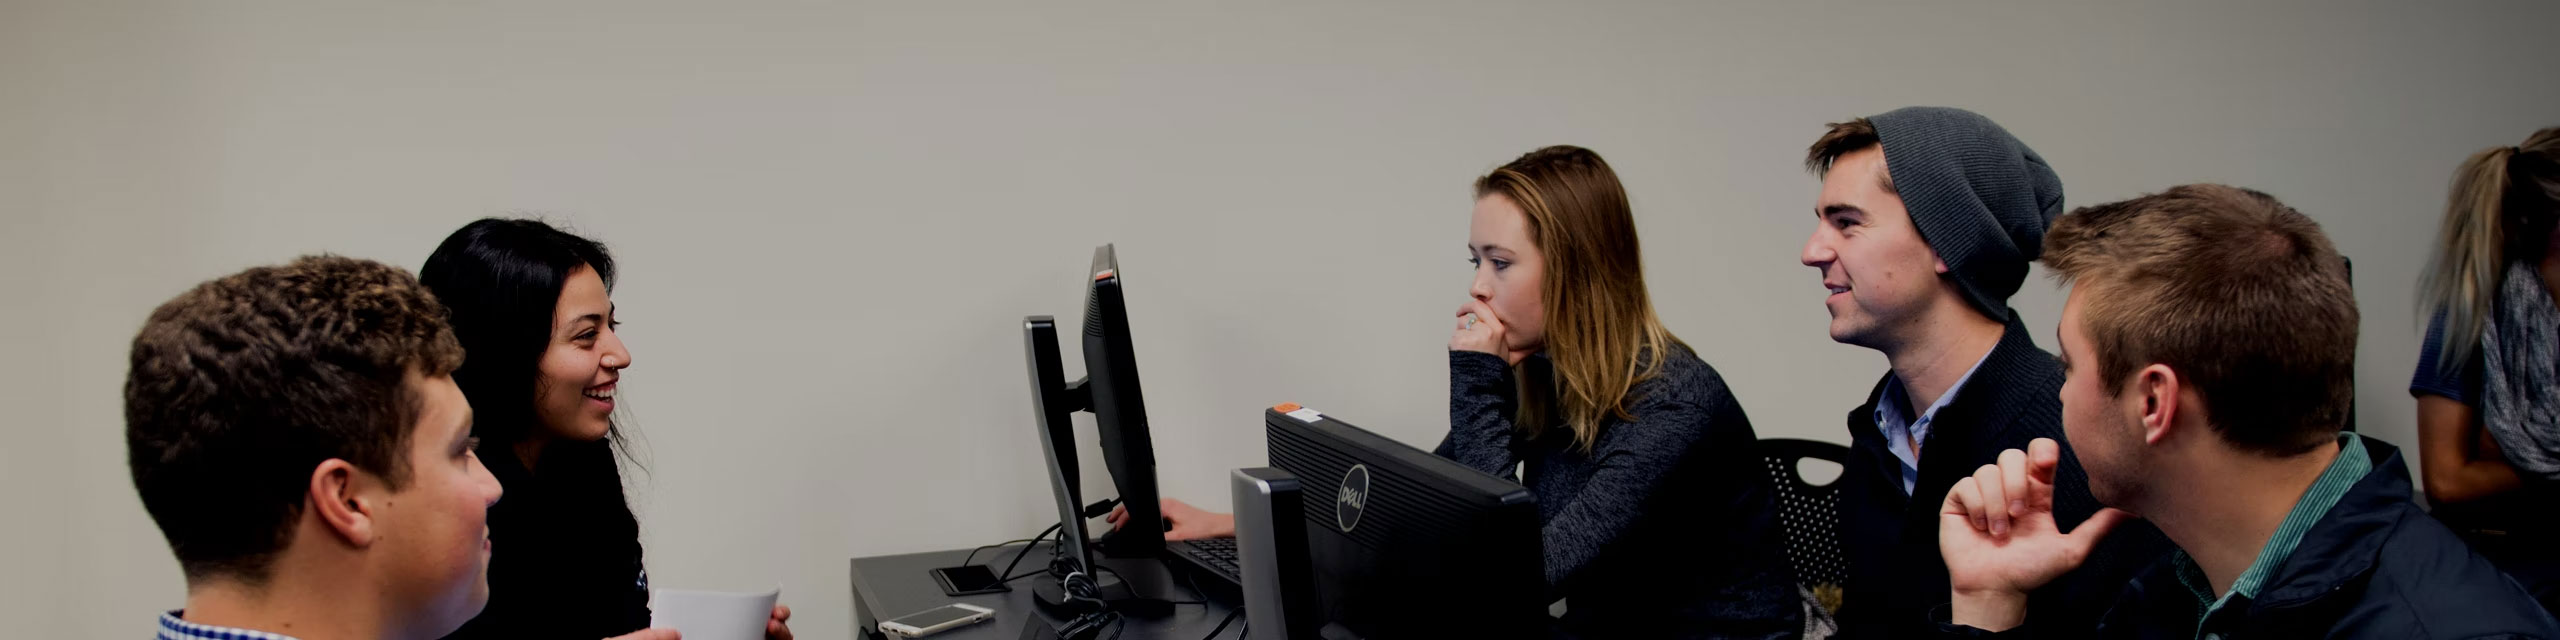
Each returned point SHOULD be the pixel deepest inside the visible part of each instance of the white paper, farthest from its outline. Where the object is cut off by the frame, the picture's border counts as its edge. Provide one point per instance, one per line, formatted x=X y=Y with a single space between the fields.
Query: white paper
x=713 y=615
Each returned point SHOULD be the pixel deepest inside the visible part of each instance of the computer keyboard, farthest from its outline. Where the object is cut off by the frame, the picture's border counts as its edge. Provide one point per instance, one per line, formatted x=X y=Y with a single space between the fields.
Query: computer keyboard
x=1217 y=553
x=1213 y=563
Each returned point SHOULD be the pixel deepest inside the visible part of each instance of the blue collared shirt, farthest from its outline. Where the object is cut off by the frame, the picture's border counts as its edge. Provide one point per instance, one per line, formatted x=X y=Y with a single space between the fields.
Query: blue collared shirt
x=1903 y=435
x=174 y=628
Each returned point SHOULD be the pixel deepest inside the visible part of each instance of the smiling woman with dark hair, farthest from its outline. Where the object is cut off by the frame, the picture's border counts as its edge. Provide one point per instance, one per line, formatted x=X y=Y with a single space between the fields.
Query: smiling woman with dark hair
x=531 y=305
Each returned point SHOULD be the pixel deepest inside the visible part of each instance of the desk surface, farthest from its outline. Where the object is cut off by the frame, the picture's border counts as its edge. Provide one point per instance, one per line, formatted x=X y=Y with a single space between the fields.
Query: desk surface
x=885 y=587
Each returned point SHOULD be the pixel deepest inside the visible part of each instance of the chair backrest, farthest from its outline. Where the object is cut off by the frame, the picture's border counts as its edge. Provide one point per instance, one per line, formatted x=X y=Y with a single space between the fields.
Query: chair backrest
x=1809 y=512
x=2351 y=373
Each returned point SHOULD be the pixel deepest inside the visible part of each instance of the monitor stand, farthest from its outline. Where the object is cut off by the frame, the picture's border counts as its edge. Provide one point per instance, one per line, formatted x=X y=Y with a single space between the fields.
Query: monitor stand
x=1051 y=596
x=1115 y=545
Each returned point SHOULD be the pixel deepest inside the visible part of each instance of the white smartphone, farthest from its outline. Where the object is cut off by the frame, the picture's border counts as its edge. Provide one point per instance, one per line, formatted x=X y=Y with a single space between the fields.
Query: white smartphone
x=936 y=620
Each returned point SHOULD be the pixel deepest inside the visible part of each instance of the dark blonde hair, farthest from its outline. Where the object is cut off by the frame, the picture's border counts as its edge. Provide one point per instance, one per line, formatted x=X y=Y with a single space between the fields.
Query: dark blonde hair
x=2502 y=206
x=2242 y=295
x=1602 y=335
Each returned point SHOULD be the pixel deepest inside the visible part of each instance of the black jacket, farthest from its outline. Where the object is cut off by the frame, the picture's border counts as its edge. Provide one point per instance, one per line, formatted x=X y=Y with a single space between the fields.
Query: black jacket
x=1665 y=529
x=564 y=559
x=2375 y=566
x=1895 y=574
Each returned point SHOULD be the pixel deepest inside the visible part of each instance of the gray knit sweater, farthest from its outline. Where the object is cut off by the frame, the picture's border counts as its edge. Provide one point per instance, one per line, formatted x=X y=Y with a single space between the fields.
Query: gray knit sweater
x=1665 y=529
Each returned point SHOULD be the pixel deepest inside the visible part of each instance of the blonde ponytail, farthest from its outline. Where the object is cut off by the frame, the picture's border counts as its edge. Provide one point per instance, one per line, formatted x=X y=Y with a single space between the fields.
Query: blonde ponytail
x=2498 y=195
x=2470 y=254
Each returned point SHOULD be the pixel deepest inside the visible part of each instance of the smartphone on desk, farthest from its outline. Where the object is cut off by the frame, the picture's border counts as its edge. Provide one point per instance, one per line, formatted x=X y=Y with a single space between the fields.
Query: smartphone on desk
x=968 y=580
x=936 y=620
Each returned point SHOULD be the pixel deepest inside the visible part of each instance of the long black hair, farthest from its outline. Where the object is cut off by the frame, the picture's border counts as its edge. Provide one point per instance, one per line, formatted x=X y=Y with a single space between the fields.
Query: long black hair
x=569 y=529
x=501 y=280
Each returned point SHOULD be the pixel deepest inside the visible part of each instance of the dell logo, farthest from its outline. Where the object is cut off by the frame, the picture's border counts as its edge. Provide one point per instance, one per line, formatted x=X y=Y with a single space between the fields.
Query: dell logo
x=1352 y=499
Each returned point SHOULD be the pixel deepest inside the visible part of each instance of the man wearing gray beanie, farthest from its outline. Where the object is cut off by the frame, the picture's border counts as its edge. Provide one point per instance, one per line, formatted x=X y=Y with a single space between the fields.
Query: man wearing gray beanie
x=1928 y=217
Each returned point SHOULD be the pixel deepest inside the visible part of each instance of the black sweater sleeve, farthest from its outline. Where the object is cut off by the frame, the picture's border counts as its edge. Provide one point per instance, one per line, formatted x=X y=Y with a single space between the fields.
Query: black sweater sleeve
x=1630 y=469
x=1480 y=408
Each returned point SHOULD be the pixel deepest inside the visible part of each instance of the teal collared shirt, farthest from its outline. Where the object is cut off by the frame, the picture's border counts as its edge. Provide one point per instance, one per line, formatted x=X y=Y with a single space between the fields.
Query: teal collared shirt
x=2350 y=466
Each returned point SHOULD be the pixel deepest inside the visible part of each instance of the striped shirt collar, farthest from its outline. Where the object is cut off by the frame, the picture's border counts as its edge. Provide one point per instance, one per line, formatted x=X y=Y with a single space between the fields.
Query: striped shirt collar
x=174 y=628
x=2351 y=465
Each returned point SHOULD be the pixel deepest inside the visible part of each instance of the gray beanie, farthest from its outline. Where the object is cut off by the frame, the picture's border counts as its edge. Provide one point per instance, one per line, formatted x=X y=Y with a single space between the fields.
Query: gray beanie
x=1980 y=197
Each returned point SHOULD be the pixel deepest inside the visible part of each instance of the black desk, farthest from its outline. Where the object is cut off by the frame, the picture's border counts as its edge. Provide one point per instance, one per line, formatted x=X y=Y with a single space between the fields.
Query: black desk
x=885 y=587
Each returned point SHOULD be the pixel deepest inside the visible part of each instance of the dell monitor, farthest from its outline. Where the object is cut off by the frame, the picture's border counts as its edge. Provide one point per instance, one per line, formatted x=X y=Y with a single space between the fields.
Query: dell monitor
x=1406 y=544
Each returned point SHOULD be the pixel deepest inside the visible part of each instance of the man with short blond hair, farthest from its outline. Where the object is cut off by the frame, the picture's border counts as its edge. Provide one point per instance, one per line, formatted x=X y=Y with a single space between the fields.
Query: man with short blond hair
x=2209 y=349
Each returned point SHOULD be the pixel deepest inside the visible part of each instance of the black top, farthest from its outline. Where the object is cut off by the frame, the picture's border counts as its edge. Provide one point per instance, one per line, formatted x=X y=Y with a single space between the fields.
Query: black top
x=2373 y=567
x=1665 y=529
x=1895 y=573
x=564 y=554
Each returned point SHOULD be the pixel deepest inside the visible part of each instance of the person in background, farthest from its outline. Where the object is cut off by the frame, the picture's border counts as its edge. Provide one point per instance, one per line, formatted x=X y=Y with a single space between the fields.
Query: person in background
x=2209 y=345
x=2488 y=377
x=1925 y=224
x=532 y=305
x=296 y=434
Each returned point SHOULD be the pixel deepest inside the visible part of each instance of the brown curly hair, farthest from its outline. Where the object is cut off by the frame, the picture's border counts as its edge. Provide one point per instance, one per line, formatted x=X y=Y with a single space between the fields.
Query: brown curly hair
x=242 y=385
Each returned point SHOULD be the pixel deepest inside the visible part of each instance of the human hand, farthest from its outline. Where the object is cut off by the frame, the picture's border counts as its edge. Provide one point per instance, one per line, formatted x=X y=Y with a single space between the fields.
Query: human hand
x=1186 y=522
x=1998 y=537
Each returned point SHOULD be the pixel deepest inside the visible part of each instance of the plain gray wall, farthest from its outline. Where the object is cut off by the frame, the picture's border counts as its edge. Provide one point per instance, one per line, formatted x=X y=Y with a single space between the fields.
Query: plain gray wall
x=831 y=216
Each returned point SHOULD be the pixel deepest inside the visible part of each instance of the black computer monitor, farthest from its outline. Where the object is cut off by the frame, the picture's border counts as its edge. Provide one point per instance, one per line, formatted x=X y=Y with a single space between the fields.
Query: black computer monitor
x=1406 y=544
x=1110 y=391
x=1120 y=413
x=1053 y=402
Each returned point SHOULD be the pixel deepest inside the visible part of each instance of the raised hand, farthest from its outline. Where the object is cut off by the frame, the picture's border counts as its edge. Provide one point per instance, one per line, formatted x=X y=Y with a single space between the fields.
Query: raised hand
x=1997 y=534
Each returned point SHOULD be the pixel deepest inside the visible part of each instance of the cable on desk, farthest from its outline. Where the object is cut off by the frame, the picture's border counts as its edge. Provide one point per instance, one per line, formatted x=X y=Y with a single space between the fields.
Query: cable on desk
x=973 y=553
x=1196 y=592
x=1222 y=624
x=1026 y=550
x=1054 y=554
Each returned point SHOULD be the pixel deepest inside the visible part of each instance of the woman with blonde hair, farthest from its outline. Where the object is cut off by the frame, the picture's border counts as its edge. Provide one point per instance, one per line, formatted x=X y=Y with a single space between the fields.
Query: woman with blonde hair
x=1658 y=522
x=1656 y=519
x=2488 y=379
